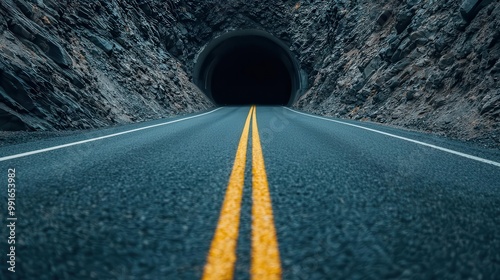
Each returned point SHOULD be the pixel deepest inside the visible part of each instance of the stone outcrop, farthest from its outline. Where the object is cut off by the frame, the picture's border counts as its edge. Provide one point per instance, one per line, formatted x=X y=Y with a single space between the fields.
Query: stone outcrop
x=426 y=65
x=82 y=64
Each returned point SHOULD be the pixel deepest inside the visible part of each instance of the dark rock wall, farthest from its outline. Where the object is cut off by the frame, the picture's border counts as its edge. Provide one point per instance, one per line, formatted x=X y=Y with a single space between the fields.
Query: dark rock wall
x=426 y=65
x=82 y=64
x=201 y=21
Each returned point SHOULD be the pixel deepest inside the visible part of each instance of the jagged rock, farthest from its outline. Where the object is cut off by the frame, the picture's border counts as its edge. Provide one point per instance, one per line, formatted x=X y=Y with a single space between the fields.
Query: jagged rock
x=491 y=103
x=17 y=90
x=393 y=83
x=496 y=68
x=26 y=9
x=470 y=8
x=434 y=81
x=420 y=37
x=384 y=17
x=102 y=43
x=47 y=64
x=446 y=61
x=74 y=78
x=19 y=30
x=10 y=122
x=410 y=95
x=6 y=99
x=438 y=103
x=53 y=50
x=374 y=64
x=411 y=3
x=3 y=23
x=380 y=97
x=403 y=20
x=406 y=46
x=146 y=8
x=84 y=13
x=386 y=53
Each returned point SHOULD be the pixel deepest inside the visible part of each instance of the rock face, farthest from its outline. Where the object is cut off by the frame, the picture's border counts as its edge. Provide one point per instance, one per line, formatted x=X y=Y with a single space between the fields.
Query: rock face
x=427 y=65
x=83 y=64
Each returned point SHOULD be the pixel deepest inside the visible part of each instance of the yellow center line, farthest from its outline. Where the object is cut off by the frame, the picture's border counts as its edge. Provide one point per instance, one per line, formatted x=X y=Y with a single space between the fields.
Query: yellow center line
x=221 y=259
x=222 y=254
x=265 y=253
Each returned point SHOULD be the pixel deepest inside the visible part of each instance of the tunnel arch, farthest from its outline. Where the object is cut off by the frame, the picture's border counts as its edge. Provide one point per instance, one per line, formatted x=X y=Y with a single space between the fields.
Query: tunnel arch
x=248 y=67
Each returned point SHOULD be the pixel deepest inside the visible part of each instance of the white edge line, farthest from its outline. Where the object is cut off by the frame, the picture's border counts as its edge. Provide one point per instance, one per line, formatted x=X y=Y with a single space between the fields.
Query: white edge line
x=99 y=138
x=483 y=160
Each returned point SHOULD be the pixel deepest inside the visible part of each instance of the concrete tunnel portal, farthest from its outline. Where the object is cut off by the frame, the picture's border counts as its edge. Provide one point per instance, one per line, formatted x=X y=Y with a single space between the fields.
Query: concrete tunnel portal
x=248 y=67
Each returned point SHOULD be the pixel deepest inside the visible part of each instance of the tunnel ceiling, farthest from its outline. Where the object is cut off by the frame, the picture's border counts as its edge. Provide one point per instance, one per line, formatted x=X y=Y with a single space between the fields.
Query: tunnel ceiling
x=248 y=67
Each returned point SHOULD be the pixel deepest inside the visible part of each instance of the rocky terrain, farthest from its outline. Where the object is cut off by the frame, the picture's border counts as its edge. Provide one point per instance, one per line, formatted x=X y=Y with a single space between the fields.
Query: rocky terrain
x=426 y=65
x=83 y=64
x=421 y=64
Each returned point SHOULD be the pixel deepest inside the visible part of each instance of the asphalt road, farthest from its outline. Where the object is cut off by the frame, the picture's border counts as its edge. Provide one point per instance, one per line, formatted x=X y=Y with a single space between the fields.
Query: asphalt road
x=349 y=200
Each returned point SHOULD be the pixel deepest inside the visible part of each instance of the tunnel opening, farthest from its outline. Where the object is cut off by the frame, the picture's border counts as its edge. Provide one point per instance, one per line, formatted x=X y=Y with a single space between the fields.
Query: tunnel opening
x=248 y=67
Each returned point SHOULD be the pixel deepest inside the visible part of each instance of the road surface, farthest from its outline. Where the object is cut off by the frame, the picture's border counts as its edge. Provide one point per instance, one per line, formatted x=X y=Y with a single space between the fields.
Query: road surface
x=243 y=193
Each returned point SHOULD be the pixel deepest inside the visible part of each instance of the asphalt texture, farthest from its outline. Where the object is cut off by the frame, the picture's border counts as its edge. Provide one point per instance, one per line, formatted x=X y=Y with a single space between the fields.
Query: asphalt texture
x=348 y=203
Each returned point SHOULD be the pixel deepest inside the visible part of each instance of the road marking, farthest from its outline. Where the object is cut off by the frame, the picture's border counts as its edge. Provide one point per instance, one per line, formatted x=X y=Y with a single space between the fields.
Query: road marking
x=222 y=254
x=100 y=138
x=483 y=160
x=265 y=253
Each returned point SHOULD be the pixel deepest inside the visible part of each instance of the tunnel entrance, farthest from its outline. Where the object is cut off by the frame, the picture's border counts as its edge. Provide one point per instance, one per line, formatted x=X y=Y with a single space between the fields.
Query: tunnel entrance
x=248 y=67
x=251 y=74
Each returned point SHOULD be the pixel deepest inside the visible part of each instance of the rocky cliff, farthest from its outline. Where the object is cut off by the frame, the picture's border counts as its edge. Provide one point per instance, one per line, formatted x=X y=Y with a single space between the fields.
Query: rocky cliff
x=82 y=64
x=426 y=65
x=422 y=64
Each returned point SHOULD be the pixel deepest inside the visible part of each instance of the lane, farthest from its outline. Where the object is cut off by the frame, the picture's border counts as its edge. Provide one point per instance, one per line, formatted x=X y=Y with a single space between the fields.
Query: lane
x=222 y=254
x=454 y=152
x=266 y=263
x=350 y=204
x=138 y=206
x=97 y=138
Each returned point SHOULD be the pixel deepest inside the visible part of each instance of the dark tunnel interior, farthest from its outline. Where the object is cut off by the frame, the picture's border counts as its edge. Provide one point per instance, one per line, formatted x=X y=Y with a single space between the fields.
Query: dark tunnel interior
x=250 y=69
x=251 y=74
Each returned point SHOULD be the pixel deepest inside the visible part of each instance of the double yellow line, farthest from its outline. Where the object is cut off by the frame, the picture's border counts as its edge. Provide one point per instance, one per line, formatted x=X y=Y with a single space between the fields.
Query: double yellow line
x=265 y=262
